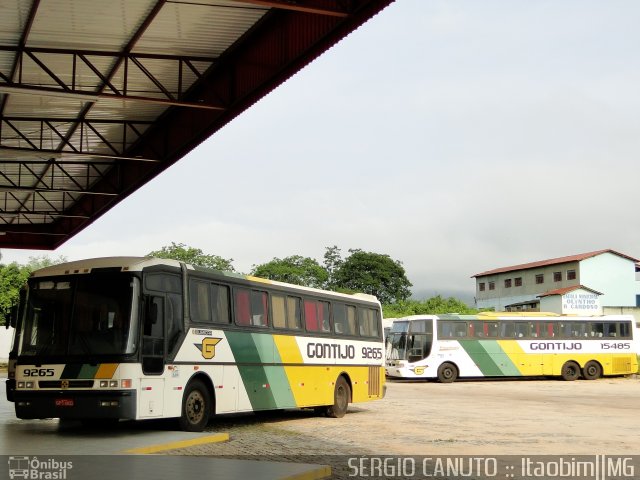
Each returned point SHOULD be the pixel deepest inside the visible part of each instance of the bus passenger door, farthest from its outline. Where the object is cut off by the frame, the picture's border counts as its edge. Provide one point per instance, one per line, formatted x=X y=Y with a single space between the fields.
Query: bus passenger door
x=153 y=351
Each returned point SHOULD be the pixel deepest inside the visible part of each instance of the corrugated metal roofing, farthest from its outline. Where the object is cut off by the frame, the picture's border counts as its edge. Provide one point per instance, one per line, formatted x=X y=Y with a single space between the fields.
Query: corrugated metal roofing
x=553 y=261
x=97 y=98
x=562 y=291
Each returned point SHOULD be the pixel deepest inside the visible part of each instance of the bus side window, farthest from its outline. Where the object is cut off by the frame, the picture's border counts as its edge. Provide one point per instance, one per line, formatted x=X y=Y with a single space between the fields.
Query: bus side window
x=220 y=303
x=278 y=311
x=340 y=325
x=625 y=330
x=259 y=308
x=294 y=313
x=242 y=308
x=311 y=316
x=351 y=319
x=521 y=329
x=324 y=318
x=199 y=301
x=508 y=330
x=597 y=330
x=368 y=322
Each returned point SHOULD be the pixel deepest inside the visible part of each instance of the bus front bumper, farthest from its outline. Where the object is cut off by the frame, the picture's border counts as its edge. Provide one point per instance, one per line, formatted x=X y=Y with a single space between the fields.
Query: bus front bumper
x=78 y=404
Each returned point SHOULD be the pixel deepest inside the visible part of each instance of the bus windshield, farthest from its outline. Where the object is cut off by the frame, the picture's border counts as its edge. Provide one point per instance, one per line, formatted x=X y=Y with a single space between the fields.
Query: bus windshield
x=89 y=314
x=410 y=340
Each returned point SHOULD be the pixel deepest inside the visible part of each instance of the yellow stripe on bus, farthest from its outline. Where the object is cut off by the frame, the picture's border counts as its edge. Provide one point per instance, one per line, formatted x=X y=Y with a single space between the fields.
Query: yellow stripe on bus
x=106 y=370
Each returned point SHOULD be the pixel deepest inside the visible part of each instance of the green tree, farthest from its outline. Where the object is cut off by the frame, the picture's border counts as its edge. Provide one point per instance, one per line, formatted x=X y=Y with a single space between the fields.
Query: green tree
x=14 y=276
x=332 y=262
x=36 y=263
x=432 y=306
x=373 y=273
x=193 y=256
x=294 y=269
x=12 y=279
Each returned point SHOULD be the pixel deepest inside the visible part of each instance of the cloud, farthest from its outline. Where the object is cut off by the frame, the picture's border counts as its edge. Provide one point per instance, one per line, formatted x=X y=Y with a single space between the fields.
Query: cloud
x=454 y=136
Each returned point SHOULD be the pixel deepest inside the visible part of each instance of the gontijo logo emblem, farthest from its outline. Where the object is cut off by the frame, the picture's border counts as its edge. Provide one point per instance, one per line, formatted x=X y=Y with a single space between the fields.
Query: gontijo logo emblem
x=208 y=347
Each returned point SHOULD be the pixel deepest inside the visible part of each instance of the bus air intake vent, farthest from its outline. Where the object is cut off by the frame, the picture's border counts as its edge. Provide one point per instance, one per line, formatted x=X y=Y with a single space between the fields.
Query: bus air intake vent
x=621 y=365
x=374 y=381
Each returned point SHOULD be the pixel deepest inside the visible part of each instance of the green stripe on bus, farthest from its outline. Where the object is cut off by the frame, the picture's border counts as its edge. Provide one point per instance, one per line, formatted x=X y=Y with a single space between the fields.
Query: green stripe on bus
x=280 y=387
x=502 y=360
x=88 y=371
x=481 y=358
x=277 y=380
x=71 y=370
x=254 y=377
x=79 y=370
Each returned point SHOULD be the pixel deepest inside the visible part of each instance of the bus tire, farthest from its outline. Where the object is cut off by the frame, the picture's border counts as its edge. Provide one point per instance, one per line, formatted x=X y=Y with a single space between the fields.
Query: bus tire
x=341 y=398
x=592 y=370
x=196 y=407
x=447 y=373
x=570 y=371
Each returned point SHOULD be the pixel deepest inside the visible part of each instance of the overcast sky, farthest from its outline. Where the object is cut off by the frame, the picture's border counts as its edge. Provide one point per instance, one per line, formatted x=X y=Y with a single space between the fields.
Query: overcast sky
x=454 y=136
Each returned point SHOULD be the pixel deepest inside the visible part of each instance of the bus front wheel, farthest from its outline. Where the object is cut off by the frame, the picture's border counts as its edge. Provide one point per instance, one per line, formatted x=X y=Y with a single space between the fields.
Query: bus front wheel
x=570 y=371
x=196 y=407
x=447 y=373
x=341 y=397
x=592 y=370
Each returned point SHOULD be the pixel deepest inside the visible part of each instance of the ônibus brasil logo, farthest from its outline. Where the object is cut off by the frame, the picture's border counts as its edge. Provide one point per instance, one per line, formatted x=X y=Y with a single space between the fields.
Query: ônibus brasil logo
x=33 y=468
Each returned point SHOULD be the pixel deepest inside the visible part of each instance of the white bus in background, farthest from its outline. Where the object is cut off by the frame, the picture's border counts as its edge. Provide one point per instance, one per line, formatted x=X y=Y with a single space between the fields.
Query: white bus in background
x=506 y=344
x=387 y=323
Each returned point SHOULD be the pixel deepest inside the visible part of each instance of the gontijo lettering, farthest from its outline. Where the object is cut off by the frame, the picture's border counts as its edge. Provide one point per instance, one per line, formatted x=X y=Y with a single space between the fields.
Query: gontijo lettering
x=330 y=350
x=556 y=346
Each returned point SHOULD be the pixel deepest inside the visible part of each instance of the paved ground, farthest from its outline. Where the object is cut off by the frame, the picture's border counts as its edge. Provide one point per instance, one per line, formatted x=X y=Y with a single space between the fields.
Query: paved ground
x=519 y=417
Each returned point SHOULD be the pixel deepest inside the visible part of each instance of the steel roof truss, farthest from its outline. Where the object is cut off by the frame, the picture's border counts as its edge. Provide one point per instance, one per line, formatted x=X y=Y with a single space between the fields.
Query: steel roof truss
x=37 y=139
x=54 y=177
x=59 y=87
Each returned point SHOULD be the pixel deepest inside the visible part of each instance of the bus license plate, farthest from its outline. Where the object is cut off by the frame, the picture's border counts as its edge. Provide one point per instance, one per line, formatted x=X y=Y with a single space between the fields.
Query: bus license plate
x=64 y=402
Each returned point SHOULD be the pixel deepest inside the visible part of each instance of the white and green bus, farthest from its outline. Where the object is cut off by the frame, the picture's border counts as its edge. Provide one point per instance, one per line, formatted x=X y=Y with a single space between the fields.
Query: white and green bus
x=446 y=347
x=143 y=338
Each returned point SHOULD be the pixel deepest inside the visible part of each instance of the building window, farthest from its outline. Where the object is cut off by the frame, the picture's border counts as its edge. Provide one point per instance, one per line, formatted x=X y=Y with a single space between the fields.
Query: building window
x=518 y=281
x=557 y=276
x=571 y=274
x=507 y=283
x=539 y=279
x=492 y=285
x=481 y=286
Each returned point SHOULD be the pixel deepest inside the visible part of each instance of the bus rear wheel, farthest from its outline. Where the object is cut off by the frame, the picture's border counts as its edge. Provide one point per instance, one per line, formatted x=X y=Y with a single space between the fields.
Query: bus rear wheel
x=592 y=370
x=447 y=373
x=570 y=371
x=196 y=407
x=341 y=398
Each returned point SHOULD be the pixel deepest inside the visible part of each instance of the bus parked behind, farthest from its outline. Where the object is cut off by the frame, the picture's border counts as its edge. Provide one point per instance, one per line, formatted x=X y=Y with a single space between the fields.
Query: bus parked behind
x=446 y=347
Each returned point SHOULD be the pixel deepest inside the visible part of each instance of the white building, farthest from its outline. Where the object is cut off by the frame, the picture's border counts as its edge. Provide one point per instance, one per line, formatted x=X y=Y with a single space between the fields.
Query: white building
x=605 y=277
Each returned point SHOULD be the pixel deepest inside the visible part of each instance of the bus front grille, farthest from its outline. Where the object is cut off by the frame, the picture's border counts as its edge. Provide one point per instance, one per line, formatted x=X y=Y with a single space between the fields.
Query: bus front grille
x=64 y=384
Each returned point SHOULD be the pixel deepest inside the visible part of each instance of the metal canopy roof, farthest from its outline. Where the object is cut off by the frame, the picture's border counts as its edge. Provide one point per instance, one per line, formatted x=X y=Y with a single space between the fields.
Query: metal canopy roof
x=97 y=98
